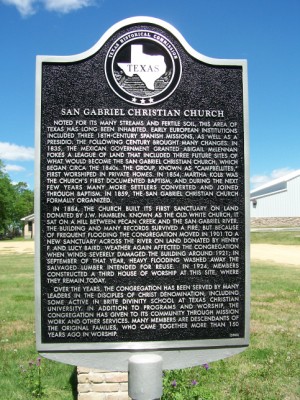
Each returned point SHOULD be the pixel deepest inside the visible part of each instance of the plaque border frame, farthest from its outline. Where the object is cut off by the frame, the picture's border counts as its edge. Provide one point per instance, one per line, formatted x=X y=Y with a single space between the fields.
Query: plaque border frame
x=114 y=355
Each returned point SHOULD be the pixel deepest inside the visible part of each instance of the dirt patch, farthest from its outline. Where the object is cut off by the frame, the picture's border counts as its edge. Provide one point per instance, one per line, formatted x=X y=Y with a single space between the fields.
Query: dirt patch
x=277 y=253
x=275 y=222
x=9 y=247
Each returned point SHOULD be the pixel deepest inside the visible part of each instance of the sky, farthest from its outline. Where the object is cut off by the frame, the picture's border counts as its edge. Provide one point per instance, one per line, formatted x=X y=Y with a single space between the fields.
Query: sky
x=264 y=32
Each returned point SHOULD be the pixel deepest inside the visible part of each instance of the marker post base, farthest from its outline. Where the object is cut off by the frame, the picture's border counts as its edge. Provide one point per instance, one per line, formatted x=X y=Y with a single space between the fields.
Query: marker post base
x=145 y=377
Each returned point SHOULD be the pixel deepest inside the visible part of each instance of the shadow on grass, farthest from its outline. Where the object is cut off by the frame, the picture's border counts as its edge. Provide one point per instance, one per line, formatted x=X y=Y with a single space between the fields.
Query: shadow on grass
x=73 y=383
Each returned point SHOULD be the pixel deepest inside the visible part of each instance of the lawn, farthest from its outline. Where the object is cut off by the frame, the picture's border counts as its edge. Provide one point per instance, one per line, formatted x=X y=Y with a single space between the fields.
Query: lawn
x=268 y=369
x=17 y=336
x=276 y=237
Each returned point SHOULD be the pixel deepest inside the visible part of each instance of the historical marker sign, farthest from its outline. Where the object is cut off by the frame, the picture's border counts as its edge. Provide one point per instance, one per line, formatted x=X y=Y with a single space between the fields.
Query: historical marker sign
x=141 y=198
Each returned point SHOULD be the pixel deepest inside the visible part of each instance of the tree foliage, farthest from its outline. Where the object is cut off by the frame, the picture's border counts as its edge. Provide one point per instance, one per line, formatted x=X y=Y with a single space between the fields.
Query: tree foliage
x=16 y=201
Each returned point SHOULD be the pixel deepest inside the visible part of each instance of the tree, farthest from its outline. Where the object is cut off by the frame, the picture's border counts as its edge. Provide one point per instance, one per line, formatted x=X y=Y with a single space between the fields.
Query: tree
x=16 y=201
x=6 y=199
x=23 y=204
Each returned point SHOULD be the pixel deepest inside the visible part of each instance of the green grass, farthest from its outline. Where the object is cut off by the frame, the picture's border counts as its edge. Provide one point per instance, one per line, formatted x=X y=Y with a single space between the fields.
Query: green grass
x=17 y=239
x=276 y=237
x=22 y=239
x=17 y=336
x=268 y=369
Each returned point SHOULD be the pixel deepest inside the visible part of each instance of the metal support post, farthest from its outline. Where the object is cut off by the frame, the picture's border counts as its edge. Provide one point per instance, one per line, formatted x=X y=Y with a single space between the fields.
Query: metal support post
x=145 y=377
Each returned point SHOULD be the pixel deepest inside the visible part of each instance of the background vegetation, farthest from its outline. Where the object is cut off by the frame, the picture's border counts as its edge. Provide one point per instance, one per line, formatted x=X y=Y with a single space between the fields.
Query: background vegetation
x=16 y=201
x=268 y=369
